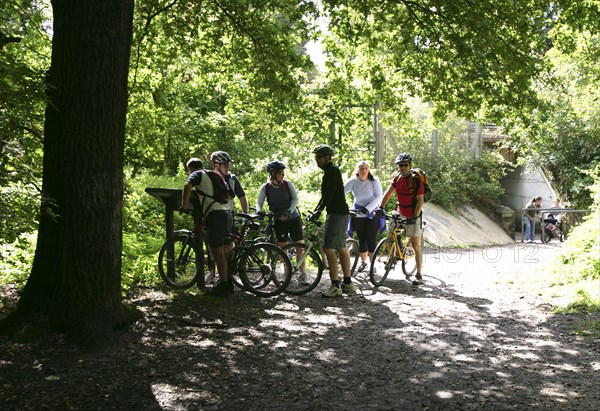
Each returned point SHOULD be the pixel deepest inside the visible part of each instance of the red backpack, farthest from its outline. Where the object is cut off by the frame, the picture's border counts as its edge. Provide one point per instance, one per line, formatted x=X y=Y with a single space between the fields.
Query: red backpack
x=285 y=184
x=222 y=193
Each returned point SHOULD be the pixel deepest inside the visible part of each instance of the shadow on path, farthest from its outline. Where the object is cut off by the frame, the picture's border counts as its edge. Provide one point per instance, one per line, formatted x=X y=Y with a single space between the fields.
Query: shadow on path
x=439 y=346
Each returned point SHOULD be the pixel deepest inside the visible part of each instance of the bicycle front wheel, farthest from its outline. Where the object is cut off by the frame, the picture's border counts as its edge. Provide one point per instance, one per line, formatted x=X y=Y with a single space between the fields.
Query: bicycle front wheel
x=353 y=251
x=384 y=261
x=211 y=276
x=304 y=279
x=179 y=262
x=265 y=269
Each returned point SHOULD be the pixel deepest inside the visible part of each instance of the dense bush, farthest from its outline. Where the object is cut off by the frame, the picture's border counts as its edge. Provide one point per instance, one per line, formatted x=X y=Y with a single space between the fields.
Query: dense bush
x=580 y=256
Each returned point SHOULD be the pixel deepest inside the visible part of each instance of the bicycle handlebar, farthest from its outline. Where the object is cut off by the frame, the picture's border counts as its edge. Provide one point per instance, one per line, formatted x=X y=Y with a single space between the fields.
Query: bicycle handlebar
x=399 y=219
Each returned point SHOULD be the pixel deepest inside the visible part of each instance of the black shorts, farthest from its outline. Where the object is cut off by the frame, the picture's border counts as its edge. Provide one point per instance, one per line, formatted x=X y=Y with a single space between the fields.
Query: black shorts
x=218 y=223
x=291 y=228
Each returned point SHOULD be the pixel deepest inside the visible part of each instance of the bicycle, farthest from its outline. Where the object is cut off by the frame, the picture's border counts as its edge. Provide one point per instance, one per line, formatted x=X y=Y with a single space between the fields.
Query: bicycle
x=396 y=246
x=313 y=257
x=262 y=268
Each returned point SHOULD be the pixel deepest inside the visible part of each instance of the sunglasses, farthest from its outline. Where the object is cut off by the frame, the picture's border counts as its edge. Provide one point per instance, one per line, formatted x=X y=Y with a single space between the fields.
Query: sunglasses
x=224 y=164
x=403 y=165
x=318 y=156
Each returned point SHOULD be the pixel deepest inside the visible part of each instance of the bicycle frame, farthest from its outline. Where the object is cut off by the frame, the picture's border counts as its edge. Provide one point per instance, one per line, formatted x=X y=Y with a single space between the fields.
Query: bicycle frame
x=239 y=239
x=313 y=237
x=397 y=234
x=193 y=242
x=396 y=246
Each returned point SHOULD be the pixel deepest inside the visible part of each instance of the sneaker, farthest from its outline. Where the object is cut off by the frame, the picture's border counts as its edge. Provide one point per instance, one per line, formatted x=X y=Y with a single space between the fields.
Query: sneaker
x=222 y=290
x=334 y=291
x=418 y=280
x=305 y=279
x=348 y=288
x=362 y=266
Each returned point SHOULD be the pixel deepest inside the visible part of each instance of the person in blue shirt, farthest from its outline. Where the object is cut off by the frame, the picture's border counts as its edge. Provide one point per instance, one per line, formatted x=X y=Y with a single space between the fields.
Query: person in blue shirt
x=367 y=192
x=282 y=200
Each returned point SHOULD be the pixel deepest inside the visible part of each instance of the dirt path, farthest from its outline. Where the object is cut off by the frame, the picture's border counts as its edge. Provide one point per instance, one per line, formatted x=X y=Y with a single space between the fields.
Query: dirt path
x=467 y=339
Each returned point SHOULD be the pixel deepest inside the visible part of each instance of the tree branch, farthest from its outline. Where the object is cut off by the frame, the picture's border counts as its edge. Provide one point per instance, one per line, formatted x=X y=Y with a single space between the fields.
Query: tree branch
x=4 y=40
x=145 y=30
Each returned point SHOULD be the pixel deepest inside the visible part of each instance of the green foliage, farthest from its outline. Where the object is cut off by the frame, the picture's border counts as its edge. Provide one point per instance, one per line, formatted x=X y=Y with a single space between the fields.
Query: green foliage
x=207 y=76
x=140 y=260
x=580 y=256
x=584 y=302
x=143 y=227
x=564 y=135
x=16 y=259
x=461 y=56
x=456 y=177
x=22 y=69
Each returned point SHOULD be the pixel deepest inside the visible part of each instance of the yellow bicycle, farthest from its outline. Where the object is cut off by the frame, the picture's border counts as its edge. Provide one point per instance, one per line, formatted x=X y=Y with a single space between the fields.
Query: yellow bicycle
x=395 y=247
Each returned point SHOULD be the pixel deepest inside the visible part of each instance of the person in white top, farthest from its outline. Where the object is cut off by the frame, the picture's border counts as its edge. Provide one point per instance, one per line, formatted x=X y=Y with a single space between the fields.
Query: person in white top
x=367 y=193
x=218 y=220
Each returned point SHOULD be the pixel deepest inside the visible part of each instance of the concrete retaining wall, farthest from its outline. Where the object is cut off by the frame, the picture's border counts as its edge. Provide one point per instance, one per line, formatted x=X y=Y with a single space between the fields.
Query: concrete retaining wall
x=470 y=227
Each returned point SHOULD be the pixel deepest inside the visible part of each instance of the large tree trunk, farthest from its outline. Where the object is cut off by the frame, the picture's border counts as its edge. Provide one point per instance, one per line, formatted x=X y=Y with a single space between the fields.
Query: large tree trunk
x=76 y=276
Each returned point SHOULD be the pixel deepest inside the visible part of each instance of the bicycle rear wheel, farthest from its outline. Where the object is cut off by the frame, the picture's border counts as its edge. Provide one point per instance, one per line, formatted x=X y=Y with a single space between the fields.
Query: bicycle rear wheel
x=409 y=262
x=179 y=262
x=384 y=261
x=313 y=268
x=265 y=269
x=353 y=251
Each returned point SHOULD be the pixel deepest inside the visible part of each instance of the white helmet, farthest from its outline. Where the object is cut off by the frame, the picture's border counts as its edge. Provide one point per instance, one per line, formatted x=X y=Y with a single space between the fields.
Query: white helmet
x=220 y=157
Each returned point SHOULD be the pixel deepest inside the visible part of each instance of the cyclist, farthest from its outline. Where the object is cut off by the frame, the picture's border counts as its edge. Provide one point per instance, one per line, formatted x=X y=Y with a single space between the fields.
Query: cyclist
x=282 y=199
x=409 y=204
x=333 y=201
x=367 y=193
x=218 y=220
x=221 y=162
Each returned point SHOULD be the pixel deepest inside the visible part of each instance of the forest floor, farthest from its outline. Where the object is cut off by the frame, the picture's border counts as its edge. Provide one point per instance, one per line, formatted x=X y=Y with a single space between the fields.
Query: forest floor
x=474 y=336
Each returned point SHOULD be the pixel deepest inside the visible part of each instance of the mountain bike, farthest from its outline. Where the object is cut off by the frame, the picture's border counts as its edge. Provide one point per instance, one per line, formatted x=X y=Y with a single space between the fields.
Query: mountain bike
x=313 y=257
x=396 y=246
x=260 y=268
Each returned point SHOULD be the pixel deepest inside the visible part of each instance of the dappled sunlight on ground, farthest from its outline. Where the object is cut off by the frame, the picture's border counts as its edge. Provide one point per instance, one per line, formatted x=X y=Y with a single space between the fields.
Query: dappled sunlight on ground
x=468 y=338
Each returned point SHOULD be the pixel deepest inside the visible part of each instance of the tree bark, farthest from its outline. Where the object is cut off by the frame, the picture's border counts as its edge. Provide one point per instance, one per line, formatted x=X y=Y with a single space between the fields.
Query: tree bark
x=75 y=282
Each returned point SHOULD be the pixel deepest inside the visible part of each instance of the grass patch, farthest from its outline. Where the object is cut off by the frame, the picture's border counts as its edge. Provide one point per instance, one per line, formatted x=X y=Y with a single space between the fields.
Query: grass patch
x=583 y=303
x=587 y=328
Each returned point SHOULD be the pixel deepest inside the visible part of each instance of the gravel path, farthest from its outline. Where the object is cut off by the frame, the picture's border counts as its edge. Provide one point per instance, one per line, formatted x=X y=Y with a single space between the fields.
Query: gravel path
x=467 y=339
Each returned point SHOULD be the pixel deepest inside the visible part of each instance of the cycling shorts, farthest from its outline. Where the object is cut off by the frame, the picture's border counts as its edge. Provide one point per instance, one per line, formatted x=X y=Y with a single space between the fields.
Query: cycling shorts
x=335 y=231
x=289 y=228
x=218 y=223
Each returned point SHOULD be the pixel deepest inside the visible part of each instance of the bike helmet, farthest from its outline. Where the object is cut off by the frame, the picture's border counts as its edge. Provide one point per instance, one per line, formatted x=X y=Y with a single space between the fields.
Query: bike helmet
x=323 y=149
x=404 y=157
x=220 y=157
x=275 y=166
